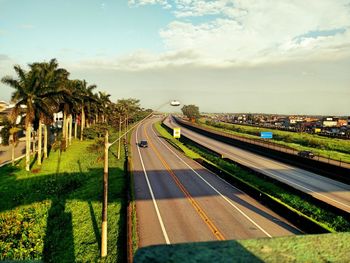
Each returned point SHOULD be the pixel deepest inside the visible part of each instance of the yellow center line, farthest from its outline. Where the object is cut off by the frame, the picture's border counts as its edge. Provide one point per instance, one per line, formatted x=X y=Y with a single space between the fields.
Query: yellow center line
x=196 y=206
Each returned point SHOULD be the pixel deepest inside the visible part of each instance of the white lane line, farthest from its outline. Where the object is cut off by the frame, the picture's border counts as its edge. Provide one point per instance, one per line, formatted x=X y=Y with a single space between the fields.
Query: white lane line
x=217 y=191
x=151 y=191
x=253 y=166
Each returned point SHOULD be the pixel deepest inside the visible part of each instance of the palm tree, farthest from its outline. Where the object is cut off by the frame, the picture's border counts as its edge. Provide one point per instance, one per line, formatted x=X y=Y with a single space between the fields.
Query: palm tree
x=52 y=82
x=69 y=106
x=26 y=86
x=36 y=92
x=106 y=105
x=85 y=95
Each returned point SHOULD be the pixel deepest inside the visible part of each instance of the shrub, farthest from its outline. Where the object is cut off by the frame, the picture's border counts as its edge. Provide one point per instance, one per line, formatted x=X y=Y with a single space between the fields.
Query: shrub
x=98 y=147
x=22 y=232
x=95 y=131
x=5 y=132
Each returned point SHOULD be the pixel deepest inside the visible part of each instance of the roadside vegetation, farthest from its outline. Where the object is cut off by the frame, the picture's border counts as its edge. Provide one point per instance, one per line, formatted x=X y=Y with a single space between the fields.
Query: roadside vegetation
x=44 y=89
x=51 y=201
x=336 y=149
x=54 y=213
x=328 y=219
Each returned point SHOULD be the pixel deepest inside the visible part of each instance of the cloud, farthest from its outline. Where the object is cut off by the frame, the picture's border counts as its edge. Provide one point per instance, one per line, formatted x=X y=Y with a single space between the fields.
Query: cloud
x=164 y=3
x=26 y=26
x=4 y=57
x=141 y=60
x=285 y=88
x=250 y=32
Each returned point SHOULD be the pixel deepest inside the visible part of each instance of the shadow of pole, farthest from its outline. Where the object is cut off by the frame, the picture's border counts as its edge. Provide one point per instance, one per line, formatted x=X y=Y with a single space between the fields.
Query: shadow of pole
x=58 y=241
x=95 y=226
x=58 y=162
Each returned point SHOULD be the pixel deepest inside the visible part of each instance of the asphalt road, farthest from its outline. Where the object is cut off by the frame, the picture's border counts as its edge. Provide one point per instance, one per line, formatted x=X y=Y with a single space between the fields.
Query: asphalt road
x=323 y=188
x=177 y=200
x=6 y=152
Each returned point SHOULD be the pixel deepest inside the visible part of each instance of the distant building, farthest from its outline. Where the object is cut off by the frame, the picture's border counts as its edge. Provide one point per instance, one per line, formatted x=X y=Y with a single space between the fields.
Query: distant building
x=330 y=122
x=58 y=119
x=342 y=122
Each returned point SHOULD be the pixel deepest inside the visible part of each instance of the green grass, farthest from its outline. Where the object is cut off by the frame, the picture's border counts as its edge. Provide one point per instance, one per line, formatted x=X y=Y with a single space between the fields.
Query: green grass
x=327 y=147
x=54 y=212
x=134 y=234
x=311 y=248
x=325 y=218
x=175 y=143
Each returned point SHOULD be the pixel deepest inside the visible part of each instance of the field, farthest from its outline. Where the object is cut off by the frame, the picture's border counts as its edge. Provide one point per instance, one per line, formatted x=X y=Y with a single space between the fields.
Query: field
x=336 y=149
x=53 y=213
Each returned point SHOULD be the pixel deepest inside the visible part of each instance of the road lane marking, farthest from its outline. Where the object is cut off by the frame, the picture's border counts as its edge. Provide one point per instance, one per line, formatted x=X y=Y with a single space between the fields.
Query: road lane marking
x=152 y=195
x=197 y=207
x=238 y=159
x=217 y=191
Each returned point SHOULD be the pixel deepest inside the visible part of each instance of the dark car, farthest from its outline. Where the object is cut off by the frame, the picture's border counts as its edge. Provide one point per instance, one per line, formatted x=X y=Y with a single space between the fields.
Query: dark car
x=143 y=144
x=306 y=154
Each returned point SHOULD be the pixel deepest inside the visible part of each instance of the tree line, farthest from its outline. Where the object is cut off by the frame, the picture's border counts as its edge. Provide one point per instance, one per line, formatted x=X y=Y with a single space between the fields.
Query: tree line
x=45 y=89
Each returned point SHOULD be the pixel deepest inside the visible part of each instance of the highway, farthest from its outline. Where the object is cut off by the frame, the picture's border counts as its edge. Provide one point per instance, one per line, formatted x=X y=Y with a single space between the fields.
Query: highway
x=177 y=200
x=330 y=191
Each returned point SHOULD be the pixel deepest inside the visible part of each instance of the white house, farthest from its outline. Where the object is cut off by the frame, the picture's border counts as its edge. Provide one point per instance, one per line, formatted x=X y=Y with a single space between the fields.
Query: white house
x=58 y=119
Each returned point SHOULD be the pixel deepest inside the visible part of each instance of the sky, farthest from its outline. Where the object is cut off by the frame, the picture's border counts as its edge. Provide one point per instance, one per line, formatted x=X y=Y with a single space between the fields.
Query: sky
x=268 y=56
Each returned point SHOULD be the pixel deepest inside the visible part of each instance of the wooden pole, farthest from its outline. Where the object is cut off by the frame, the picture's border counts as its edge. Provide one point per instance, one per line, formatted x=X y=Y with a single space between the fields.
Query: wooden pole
x=105 y=200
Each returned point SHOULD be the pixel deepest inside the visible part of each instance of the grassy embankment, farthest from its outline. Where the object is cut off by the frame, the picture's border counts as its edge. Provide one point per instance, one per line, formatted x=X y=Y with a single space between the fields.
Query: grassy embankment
x=329 y=220
x=336 y=149
x=53 y=213
x=132 y=204
x=311 y=248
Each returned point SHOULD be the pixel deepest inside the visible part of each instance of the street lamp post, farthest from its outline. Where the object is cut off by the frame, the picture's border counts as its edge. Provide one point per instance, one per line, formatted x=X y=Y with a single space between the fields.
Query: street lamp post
x=105 y=200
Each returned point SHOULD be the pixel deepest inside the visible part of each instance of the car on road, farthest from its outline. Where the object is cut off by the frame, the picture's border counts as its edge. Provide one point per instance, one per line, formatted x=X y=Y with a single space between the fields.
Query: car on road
x=143 y=144
x=306 y=154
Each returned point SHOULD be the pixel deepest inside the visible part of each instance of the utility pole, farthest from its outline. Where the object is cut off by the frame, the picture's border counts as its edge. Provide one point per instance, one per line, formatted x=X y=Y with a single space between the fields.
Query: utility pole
x=105 y=200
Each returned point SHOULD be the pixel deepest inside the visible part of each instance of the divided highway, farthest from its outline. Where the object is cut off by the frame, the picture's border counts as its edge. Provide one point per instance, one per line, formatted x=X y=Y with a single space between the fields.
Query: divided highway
x=177 y=200
x=330 y=191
